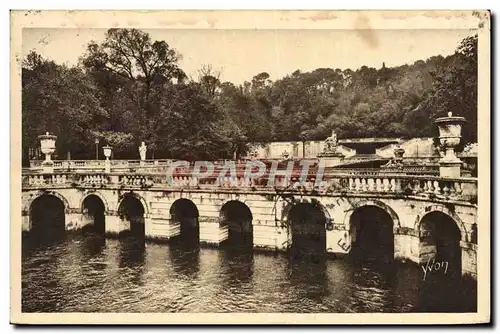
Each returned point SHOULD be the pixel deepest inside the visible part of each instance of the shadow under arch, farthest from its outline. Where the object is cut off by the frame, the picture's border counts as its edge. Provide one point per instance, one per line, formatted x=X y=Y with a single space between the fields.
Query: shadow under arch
x=376 y=203
x=307 y=220
x=93 y=212
x=443 y=289
x=132 y=194
x=185 y=212
x=27 y=206
x=47 y=218
x=98 y=194
x=439 y=242
x=238 y=218
x=464 y=235
x=371 y=228
x=131 y=210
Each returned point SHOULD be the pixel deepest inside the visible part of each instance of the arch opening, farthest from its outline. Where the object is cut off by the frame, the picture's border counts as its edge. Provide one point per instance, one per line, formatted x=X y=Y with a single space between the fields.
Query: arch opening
x=237 y=216
x=372 y=234
x=440 y=242
x=131 y=212
x=47 y=217
x=308 y=226
x=185 y=212
x=93 y=211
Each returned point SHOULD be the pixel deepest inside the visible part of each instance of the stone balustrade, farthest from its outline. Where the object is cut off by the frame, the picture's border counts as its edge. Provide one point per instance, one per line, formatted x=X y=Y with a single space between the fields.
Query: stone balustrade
x=162 y=165
x=332 y=183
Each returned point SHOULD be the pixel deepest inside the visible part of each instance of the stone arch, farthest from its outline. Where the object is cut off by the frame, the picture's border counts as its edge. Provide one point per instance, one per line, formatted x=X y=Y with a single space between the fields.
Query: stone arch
x=28 y=203
x=137 y=196
x=307 y=221
x=287 y=206
x=184 y=215
x=443 y=209
x=377 y=203
x=88 y=193
x=237 y=217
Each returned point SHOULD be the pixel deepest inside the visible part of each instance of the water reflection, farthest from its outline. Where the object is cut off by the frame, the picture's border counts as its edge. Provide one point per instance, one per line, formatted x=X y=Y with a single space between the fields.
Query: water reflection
x=86 y=273
x=131 y=259
x=309 y=274
x=185 y=259
x=237 y=265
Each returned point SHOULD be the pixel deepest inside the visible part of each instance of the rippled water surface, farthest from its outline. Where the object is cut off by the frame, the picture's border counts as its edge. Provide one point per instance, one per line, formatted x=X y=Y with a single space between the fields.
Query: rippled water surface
x=87 y=273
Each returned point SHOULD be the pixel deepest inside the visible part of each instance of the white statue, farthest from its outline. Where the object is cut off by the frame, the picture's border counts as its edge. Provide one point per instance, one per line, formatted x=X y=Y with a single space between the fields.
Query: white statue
x=331 y=143
x=142 y=151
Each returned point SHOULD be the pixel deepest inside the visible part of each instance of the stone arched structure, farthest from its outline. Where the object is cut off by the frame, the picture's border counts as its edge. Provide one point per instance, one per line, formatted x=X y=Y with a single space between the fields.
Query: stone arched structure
x=95 y=193
x=28 y=203
x=288 y=206
x=372 y=202
x=137 y=196
x=443 y=209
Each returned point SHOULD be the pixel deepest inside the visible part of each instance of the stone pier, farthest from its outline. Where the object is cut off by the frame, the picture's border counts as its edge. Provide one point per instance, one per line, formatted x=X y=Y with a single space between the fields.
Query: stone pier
x=268 y=236
x=211 y=233
x=162 y=228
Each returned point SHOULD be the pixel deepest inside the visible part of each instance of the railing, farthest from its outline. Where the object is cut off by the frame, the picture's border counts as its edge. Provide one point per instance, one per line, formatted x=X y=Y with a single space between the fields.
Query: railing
x=331 y=183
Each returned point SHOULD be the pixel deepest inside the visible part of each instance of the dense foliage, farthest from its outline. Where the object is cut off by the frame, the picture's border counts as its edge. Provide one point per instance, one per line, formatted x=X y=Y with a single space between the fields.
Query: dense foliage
x=130 y=89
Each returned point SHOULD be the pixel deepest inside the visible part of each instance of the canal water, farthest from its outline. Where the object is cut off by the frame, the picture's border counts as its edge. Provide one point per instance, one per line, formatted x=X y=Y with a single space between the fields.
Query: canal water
x=87 y=273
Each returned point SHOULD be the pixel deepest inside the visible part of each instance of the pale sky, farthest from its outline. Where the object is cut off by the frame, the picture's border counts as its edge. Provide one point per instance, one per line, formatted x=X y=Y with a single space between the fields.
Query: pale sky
x=241 y=54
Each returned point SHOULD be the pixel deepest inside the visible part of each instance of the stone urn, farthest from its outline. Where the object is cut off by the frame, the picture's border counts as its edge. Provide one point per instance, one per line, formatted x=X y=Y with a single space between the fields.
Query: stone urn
x=398 y=154
x=48 y=147
x=107 y=153
x=450 y=133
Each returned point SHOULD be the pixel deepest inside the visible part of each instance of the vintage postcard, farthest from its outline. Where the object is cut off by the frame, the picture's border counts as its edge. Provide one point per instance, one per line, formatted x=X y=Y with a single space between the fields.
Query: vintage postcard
x=250 y=167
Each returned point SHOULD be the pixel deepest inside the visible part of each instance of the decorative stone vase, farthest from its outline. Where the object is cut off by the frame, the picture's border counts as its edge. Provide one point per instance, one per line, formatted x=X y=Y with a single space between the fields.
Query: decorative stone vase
x=48 y=147
x=107 y=153
x=398 y=154
x=450 y=133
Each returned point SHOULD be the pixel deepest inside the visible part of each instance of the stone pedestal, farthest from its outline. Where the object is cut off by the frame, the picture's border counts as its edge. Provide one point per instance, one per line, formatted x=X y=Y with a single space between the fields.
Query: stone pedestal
x=330 y=159
x=162 y=229
x=48 y=167
x=107 y=166
x=211 y=233
x=469 y=259
x=450 y=169
x=114 y=225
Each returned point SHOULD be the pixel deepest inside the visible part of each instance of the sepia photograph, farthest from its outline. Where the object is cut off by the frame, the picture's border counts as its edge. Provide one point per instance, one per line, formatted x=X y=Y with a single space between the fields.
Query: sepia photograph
x=250 y=167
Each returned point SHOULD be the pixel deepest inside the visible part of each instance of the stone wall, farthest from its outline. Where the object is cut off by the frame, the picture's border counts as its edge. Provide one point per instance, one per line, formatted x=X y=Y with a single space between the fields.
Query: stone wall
x=275 y=150
x=414 y=148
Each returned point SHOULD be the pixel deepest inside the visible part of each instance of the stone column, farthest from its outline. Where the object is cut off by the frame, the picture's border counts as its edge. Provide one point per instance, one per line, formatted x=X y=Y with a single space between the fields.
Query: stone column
x=406 y=244
x=211 y=233
x=75 y=220
x=469 y=259
x=161 y=228
x=25 y=222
